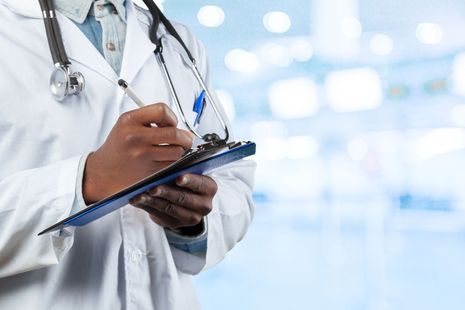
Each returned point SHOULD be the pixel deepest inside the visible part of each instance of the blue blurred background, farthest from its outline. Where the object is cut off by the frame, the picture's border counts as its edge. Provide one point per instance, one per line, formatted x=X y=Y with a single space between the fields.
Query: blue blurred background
x=358 y=110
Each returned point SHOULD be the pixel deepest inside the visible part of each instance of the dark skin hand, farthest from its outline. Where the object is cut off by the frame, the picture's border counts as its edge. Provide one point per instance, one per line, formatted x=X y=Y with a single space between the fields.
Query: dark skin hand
x=180 y=206
x=133 y=150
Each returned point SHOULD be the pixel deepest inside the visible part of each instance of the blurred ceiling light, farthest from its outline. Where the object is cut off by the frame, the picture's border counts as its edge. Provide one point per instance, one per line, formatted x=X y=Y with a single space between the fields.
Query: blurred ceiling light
x=357 y=149
x=351 y=28
x=458 y=115
x=381 y=44
x=301 y=50
x=268 y=129
x=429 y=33
x=227 y=102
x=301 y=147
x=211 y=16
x=354 y=90
x=458 y=74
x=437 y=142
x=277 y=22
x=293 y=98
x=241 y=61
x=277 y=54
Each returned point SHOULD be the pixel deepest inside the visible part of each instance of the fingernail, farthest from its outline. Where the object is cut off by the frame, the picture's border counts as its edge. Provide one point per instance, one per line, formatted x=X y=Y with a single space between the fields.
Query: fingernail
x=139 y=199
x=183 y=180
x=157 y=192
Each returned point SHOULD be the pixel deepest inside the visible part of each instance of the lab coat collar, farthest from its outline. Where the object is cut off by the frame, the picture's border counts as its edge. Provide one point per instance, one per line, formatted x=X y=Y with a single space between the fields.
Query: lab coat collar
x=138 y=46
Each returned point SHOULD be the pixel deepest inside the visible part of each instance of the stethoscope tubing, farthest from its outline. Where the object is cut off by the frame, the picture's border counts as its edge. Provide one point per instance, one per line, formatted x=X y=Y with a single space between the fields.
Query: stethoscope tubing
x=75 y=81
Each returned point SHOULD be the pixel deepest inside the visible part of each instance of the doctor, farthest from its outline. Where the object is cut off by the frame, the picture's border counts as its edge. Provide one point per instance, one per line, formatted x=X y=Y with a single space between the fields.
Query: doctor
x=59 y=156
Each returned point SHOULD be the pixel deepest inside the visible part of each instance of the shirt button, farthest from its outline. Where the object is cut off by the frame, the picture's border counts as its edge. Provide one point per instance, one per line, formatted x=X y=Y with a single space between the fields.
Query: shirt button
x=110 y=46
x=136 y=256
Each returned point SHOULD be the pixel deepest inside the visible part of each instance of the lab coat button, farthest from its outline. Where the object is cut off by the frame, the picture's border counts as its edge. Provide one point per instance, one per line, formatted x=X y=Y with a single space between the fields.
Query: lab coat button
x=111 y=47
x=136 y=256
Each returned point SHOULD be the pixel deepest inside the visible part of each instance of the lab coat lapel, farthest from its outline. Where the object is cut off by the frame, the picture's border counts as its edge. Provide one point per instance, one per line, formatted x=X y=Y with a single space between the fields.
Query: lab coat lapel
x=80 y=49
x=138 y=47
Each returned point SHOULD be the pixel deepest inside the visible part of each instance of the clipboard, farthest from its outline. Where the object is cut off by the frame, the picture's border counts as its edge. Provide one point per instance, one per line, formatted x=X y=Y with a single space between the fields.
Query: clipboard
x=204 y=159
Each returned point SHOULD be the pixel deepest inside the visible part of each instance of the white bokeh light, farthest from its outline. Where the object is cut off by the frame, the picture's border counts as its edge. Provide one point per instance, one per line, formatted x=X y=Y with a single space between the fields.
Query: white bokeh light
x=211 y=16
x=429 y=33
x=301 y=50
x=354 y=90
x=301 y=147
x=351 y=28
x=293 y=98
x=227 y=102
x=268 y=129
x=381 y=44
x=276 y=54
x=437 y=142
x=241 y=61
x=277 y=22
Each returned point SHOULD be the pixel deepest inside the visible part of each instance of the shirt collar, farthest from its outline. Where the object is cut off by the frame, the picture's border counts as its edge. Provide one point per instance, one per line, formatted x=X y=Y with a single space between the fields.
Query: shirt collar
x=78 y=10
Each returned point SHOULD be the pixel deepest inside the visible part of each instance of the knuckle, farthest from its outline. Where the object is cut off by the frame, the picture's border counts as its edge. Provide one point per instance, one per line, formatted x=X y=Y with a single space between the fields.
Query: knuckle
x=137 y=153
x=126 y=117
x=197 y=218
x=130 y=137
x=182 y=198
x=206 y=209
x=170 y=209
x=162 y=108
x=193 y=219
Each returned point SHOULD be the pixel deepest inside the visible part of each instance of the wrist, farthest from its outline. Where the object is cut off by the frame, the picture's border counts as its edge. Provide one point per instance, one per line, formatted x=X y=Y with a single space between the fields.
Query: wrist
x=89 y=183
x=190 y=231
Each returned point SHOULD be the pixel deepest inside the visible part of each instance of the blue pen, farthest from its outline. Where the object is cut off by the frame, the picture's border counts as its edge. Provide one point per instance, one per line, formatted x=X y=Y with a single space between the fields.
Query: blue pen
x=199 y=105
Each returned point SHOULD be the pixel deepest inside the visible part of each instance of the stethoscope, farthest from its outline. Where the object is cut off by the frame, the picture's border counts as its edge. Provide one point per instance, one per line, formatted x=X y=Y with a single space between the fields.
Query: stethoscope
x=64 y=82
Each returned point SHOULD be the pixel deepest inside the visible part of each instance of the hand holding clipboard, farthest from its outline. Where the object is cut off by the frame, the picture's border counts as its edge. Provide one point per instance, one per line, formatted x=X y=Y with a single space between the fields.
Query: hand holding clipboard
x=199 y=161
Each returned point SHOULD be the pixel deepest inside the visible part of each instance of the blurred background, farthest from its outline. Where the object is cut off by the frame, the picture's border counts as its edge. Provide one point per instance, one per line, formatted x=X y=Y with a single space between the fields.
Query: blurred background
x=358 y=110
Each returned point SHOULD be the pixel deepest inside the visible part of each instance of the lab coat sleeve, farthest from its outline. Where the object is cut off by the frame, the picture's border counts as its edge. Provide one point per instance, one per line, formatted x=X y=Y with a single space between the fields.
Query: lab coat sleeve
x=30 y=201
x=232 y=205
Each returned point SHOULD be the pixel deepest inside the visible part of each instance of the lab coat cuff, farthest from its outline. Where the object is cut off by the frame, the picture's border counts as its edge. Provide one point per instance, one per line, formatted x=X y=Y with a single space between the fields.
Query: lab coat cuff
x=190 y=244
x=79 y=203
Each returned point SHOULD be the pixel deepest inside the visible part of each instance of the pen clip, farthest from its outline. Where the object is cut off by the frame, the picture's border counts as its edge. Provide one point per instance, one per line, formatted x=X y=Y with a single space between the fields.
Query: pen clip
x=199 y=105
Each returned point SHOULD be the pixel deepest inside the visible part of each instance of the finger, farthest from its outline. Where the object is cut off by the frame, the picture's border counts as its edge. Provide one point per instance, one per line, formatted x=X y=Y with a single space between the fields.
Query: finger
x=165 y=153
x=158 y=113
x=160 y=218
x=169 y=135
x=182 y=216
x=198 y=183
x=185 y=198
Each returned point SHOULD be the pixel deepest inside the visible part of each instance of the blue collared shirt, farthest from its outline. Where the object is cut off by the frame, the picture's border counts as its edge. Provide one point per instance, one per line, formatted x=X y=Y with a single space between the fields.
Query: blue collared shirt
x=104 y=24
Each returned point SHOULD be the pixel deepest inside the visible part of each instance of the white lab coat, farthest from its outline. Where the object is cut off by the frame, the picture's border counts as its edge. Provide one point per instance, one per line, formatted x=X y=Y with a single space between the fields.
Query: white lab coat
x=122 y=261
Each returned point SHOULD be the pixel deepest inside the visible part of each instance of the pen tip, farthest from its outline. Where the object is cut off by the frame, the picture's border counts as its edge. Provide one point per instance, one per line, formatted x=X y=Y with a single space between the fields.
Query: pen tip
x=122 y=83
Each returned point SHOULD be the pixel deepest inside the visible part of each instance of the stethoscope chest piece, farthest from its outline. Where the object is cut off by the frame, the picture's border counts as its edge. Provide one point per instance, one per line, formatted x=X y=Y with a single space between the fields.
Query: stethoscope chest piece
x=64 y=83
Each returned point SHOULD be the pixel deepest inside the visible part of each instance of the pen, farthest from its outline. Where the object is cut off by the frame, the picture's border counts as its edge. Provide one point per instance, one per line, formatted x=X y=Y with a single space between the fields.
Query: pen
x=131 y=94
x=199 y=105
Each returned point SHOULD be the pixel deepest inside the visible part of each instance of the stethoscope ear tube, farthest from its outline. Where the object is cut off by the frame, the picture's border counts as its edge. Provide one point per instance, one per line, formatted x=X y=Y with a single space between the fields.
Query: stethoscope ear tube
x=64 y=61
x=49 y=31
